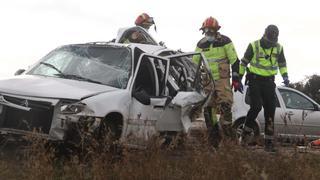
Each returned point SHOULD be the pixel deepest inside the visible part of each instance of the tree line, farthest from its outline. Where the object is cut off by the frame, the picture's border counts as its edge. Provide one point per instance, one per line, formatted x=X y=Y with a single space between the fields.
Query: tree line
x=310 y=86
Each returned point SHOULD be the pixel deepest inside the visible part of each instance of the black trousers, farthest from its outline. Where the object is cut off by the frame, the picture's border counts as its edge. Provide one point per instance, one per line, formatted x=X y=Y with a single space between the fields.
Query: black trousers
x=262 y=94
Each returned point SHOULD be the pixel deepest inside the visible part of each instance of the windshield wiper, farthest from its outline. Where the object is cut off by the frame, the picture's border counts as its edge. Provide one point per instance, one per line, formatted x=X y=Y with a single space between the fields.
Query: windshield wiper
x=69 y=76
x=52 y=66
x=77 y=77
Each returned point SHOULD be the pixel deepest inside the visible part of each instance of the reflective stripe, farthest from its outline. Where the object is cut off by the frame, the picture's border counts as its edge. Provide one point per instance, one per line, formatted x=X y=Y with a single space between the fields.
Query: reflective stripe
x=258 y=65
x=283 y=70
x=257 y=62
x=242 y=69
x=268 y=137
x=257 y=50
x=235 y=74
x=243 y=64
x=262 y=72
x=217 y=60
x=245 y=60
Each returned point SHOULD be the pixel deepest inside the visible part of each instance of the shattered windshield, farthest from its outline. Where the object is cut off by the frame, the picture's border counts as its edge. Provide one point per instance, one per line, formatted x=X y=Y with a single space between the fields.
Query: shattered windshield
x=96 y=64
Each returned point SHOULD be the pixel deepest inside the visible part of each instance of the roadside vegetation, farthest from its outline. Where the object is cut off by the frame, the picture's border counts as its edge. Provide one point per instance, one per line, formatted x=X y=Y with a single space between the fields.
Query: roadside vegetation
x=175 y=160
x=310 y=86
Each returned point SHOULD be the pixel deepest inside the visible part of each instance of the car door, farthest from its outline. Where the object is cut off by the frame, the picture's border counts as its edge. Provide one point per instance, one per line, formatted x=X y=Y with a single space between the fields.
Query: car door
x=280 y=124
x=184 y=88
x=147 y=102
x=302 y=113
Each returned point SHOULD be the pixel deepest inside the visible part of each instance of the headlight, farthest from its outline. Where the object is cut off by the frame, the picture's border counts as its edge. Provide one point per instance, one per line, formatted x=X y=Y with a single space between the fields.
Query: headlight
x=72 y=108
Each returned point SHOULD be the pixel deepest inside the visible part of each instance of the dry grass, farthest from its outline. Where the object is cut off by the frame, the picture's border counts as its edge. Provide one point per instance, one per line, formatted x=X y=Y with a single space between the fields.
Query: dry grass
x=174 y=161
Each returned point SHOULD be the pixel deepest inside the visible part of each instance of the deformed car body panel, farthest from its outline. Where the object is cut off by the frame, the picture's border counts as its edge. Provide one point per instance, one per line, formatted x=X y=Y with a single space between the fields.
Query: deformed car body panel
x=187 y=101
x=39 y=86
x=77 y=99
x=18 y=120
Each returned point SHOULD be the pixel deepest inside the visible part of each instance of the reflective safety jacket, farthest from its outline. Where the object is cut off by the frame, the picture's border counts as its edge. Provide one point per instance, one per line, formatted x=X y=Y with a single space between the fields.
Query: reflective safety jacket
x=264 y=61
x=220 y=54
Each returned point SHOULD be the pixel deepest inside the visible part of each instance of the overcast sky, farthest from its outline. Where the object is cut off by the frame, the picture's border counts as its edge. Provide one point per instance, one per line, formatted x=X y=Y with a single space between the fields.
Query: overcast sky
x=31 y=28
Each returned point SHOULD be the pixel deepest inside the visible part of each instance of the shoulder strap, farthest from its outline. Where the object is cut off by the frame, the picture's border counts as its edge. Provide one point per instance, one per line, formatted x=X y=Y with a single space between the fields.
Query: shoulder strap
x=256 y=49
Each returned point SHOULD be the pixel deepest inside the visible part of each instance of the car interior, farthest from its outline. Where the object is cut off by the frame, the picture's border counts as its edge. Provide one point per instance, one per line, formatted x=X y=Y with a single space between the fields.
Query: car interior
x=144 y=87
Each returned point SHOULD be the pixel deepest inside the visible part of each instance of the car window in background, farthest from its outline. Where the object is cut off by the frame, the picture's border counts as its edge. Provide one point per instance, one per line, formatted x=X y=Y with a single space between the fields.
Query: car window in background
x=103 y=64
x=295 y=100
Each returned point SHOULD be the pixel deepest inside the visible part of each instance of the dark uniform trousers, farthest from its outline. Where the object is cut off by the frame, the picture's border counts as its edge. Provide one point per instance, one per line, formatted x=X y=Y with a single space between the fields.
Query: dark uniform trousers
x=262 y=94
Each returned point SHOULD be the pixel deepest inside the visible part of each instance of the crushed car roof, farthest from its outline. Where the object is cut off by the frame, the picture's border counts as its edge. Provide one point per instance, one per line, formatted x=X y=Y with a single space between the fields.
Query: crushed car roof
x=151 y=49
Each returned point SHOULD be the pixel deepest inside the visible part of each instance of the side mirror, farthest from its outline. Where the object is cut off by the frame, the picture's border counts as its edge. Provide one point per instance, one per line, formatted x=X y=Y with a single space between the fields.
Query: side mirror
x=316 y=107
x=19 y=72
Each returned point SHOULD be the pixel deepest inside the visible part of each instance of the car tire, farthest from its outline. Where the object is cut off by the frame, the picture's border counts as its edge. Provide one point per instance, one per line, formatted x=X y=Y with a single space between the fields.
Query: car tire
x=111 y=127
x=253 y=137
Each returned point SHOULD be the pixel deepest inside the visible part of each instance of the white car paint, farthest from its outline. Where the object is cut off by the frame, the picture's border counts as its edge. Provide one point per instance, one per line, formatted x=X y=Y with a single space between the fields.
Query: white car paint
x=122 y=33
x=41 y=86
x=95 y=102
x=290 y=122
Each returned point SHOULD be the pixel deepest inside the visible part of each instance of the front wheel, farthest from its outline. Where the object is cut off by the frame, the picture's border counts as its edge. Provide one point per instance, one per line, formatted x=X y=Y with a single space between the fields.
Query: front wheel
x=110 y=130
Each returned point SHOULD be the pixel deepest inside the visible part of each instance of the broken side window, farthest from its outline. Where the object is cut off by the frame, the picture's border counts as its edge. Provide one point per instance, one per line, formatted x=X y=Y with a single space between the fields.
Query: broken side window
x=145 y=83
x=151 y=79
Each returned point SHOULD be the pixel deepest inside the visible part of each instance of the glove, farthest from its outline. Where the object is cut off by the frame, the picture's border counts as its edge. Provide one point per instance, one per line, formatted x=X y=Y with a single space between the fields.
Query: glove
x=286 y=81
x=237 y=84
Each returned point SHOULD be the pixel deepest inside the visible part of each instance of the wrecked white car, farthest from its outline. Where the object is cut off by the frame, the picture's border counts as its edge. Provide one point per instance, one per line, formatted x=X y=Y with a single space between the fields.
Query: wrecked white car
x=135 y=90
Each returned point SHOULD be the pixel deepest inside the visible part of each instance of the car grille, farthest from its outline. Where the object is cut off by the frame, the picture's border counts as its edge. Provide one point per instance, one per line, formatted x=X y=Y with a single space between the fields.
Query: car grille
x=39 y=117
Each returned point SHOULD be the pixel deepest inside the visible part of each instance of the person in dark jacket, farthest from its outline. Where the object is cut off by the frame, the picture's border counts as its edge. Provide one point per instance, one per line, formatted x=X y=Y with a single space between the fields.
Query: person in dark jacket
x=265 y=57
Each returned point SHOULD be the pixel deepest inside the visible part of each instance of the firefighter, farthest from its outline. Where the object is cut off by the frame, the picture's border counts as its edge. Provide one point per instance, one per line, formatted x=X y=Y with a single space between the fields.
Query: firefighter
x=220 y=54
x=144 y=21
x=265 y=57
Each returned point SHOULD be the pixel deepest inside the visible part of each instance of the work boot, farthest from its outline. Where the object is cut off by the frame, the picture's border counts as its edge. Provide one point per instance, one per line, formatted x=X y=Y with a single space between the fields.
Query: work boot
x=215 y=136
x=269 y=146
x=246 y=136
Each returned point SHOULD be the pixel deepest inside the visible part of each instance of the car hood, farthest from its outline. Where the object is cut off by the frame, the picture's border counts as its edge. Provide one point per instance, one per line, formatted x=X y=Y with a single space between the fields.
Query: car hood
x=51 y=87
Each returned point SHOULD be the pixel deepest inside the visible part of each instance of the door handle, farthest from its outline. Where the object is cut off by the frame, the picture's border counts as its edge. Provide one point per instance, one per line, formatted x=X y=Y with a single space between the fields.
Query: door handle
x=290 y=113
x=158 y=107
